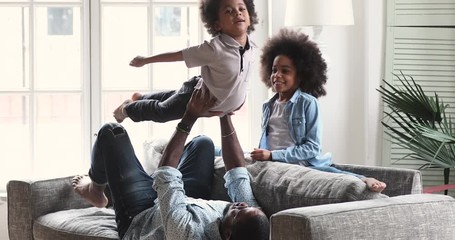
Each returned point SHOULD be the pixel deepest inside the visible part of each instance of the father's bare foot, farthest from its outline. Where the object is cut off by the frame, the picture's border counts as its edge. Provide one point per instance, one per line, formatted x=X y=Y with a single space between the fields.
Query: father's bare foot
x=374 y=185
x=90 y=191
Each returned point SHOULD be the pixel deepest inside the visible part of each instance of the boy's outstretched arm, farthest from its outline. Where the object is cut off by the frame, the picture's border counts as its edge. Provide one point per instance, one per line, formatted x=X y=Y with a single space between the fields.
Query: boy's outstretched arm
x=232 y=151
x=140 y=61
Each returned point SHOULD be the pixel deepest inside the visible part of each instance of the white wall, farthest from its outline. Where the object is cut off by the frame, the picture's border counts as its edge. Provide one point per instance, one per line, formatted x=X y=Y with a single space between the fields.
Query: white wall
x=351 y=108
x=375 y=29
x=260 y=93
x=3 y=221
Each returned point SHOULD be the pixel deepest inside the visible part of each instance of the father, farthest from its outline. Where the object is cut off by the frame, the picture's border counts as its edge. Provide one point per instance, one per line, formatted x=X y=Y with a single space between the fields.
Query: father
x=177 y=207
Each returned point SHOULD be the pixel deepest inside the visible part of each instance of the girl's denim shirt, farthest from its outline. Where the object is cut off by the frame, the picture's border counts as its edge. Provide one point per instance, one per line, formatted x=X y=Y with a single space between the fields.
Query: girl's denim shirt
x=302 y=112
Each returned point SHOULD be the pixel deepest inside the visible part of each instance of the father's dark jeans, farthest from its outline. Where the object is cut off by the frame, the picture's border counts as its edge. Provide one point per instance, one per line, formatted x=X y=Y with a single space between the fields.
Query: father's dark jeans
x=115 y=163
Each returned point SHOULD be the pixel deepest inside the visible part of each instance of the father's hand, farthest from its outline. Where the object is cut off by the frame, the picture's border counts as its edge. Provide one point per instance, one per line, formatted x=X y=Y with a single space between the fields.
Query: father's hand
x=200 y=102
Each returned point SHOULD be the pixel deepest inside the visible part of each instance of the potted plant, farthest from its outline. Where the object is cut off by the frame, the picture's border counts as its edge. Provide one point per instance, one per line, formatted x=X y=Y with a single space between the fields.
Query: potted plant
x=418 y=122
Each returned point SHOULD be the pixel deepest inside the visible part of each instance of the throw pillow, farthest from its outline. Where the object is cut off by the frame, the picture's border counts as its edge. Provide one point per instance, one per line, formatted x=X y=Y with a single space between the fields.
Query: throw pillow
x=278 y=186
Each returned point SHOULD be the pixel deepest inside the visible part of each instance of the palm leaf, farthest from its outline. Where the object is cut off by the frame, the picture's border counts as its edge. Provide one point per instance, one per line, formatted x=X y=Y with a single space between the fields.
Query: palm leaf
x=411 y=99
x=418 y=123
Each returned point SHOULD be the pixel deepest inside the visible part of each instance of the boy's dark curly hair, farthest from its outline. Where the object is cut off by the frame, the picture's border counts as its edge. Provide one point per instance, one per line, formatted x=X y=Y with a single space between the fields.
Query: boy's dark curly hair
x=310 y=66
x=209 y=15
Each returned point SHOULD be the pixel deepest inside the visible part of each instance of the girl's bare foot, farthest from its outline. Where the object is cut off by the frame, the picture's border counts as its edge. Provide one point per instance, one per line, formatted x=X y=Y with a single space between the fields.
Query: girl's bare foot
x=136 y=96
x=90 y=191
x=374 y=185
x=119 y=113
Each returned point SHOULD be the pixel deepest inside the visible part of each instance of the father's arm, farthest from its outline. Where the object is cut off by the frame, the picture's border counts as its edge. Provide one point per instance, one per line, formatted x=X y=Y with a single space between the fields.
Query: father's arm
x=237 y=177
x=232 y=151
x=198 y=106
x=177 y=220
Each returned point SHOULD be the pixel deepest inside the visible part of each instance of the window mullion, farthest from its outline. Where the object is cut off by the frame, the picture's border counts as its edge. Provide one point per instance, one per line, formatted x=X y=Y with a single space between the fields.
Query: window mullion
x=86 y=93
x=94 y=31
x=32 y=88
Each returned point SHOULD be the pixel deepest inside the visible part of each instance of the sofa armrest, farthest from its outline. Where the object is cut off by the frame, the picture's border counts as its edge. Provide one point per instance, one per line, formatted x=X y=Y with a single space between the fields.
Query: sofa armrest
x=28 y=200
x=400 y=181
x=414 y=216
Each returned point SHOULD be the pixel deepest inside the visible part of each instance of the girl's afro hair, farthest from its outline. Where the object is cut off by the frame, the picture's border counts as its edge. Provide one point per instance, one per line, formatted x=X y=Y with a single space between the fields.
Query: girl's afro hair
x=310 y=66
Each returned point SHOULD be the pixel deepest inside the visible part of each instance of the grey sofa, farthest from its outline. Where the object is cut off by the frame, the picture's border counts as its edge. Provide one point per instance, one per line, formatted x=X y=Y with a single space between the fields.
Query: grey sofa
x=302 y=203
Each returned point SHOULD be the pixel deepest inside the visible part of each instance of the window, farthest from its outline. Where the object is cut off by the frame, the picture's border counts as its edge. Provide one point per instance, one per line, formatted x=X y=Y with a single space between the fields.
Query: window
x=65 y=69
x=43 y=109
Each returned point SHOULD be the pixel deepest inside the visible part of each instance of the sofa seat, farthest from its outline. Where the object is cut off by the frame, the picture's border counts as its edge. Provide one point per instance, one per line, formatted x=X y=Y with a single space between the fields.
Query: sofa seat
x=85 y=223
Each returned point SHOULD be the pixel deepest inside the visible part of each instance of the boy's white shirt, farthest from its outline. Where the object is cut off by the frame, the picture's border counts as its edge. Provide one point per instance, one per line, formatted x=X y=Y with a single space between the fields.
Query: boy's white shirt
x=221 y=71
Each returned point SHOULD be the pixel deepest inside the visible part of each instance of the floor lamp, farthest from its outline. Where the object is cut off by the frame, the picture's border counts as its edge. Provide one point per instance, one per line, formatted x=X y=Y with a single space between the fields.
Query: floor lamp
x=318 y=13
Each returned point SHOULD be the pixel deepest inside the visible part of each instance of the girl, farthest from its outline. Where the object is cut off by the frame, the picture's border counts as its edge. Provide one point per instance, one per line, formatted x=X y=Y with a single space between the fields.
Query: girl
x=293 y=67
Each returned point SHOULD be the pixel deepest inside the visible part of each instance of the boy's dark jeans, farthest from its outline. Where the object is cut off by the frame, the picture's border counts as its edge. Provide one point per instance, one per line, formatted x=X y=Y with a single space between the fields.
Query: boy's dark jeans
x=162 y=106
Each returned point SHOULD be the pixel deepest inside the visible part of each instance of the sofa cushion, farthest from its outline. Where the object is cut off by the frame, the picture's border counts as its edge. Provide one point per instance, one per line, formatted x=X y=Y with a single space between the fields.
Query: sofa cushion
x=278 y=186
x=85 y=223
x=414 y=216
x=153 y=150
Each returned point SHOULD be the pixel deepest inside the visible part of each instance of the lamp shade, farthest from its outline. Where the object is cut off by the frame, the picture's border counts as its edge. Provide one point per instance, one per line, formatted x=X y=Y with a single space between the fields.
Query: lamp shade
x=318 y=12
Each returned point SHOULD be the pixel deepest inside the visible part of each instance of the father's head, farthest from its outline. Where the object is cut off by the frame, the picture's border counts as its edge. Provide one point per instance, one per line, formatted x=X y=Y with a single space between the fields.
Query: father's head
x=241 y=221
